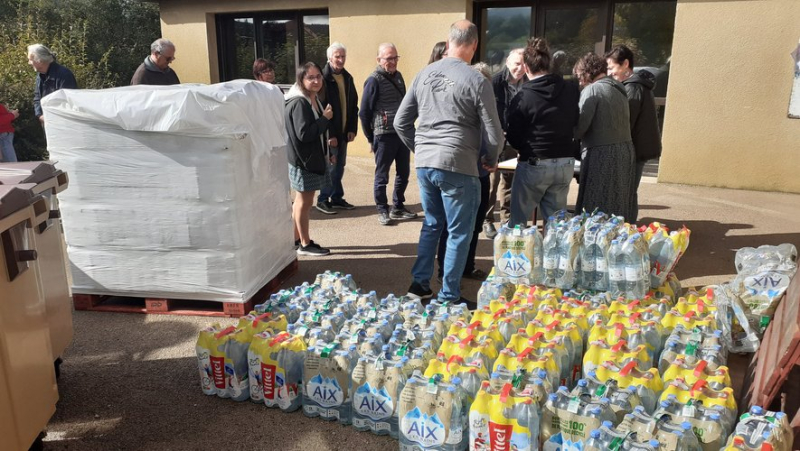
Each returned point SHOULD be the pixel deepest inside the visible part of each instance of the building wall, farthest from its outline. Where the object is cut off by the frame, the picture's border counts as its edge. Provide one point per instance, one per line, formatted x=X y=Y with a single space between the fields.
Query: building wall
x=361 y=25
x=726 y=120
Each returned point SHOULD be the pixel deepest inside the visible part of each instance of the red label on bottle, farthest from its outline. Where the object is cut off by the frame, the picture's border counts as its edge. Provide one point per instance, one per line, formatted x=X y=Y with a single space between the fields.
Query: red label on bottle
x=268 y=378
x=500 y=436
x=218 y=371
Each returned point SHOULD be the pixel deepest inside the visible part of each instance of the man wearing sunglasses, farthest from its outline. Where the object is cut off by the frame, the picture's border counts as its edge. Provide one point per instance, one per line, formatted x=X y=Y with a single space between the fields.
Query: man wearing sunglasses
x=155 y=69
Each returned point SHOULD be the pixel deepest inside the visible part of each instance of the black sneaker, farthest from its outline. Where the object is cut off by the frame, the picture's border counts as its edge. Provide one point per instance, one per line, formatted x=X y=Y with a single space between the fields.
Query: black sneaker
x=415 y=291
x=341 y=205
x=326 y=208
x=313 y=249
x=402 y=213
x=476 y=274
x=488 y=230
x=384 y=219
x=297 y=244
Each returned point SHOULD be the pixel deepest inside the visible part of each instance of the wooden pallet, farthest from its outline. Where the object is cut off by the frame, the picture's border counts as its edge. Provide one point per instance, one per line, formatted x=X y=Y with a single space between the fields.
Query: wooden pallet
x=777 y=355
x=162 y=306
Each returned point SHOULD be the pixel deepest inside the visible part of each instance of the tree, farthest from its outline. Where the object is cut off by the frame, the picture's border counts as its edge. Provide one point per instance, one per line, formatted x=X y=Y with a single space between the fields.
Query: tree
x=80 y=32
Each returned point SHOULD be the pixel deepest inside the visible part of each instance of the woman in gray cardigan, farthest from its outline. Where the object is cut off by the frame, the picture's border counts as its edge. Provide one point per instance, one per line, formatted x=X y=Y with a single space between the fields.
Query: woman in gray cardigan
x=607 y=179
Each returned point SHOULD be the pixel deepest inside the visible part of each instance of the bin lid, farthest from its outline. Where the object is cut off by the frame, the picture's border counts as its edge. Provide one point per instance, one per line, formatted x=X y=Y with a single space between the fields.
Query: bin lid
x=15 y=198
x=28 y=172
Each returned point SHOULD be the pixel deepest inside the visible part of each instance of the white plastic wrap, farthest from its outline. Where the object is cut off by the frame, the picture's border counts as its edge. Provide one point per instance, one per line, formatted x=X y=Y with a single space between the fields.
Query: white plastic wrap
x=175 y=191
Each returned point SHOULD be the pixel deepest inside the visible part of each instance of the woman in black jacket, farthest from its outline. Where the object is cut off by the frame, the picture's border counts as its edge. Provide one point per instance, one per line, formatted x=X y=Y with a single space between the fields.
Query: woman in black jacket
x=541 y=119
x=309 y=153
x=644 y=118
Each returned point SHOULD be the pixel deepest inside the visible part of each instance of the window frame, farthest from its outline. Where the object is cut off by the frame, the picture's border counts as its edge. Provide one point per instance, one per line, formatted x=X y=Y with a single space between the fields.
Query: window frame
x=225 y=33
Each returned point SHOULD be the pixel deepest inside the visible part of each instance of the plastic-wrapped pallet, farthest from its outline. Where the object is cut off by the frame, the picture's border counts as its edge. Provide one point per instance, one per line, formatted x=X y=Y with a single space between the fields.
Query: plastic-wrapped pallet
x=178 y=191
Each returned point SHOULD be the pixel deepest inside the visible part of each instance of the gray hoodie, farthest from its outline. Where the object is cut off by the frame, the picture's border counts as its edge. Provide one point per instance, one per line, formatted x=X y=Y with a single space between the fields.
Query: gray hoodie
x=452 y=101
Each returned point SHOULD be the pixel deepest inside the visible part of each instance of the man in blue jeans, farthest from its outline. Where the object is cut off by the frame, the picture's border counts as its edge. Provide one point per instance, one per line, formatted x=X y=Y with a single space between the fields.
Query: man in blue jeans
x=450 y=102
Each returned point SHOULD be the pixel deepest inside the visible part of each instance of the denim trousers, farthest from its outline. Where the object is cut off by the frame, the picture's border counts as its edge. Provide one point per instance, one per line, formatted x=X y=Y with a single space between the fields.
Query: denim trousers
x=473 y=244
x=7 y=147
x=450 y=200
x=545 y=185
x=389 y=149
x=335 y=192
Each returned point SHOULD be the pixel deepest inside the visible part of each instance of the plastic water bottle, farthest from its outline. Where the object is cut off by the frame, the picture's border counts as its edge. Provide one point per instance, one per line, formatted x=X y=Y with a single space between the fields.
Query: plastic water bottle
x=532 y=234
x=550 y=257
x=616 y=270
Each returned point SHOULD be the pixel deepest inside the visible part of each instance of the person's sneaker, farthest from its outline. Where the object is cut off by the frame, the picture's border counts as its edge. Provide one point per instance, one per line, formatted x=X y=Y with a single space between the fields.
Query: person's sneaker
x=325 y=207
x=476 y=274
x=297 y=244
x=341 y=205
x=415 y=291
x=313 y=249
x=402 y=213
x=384 y=219
x=489 y=230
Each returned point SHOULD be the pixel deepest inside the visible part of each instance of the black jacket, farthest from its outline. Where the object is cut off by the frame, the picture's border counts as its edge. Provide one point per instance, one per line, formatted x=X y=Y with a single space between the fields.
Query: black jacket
x=644 y=118
x=57 y=77
x=500 y=86
x=332 y=98
x=542 y=116
x=304 y=147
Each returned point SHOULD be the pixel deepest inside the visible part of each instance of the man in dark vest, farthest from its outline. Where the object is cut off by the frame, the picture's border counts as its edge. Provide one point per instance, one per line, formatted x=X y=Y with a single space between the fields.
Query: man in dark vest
x=383 y=92
x=155 y=69
x=340 y=94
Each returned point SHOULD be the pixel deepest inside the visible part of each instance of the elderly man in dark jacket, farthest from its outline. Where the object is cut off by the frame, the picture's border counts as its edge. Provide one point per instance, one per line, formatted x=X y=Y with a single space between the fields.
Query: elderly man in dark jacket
x=506 y=84
x=50 y=78
x=340 y=93
x=155 y=69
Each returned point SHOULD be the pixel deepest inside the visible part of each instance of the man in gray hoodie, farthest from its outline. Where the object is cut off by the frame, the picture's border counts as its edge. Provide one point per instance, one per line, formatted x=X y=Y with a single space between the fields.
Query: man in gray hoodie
x=452 y=104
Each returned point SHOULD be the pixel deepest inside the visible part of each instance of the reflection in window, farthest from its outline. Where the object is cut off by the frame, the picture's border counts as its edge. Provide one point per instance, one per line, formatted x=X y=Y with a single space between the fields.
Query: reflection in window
x=245 y=47
x=571 y=33
x=279 y=37
x=316 y=38
x=647 y=28
x=505 y=30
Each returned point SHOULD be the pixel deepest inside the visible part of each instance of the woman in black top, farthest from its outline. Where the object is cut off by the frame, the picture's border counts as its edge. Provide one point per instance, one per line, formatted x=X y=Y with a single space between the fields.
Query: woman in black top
x=309 y=153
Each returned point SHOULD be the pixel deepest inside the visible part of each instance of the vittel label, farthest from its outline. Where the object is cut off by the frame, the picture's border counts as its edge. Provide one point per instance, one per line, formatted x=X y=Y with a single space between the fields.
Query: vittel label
x=419 y=428
x=325 y=391
x=218 y=371
x=373 y=403
x=500 y=435
x=268 y=376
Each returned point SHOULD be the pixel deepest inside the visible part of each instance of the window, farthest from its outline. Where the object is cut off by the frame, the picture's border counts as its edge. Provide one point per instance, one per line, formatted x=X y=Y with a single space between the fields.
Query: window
x=286 y=38
x=506 y=29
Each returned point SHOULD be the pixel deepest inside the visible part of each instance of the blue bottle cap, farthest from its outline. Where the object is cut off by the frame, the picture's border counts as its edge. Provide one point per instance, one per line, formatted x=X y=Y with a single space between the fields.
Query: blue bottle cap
x=714 y=417
x=495 y=375
x=638 y=409
x=654 y=443
x=563 y=388
x=552 y=397
x=686 y=426
x=583 y=383
x=608 y=424
x=595 y=434
x=756 y=410
x=456 y=381
x=779 y=415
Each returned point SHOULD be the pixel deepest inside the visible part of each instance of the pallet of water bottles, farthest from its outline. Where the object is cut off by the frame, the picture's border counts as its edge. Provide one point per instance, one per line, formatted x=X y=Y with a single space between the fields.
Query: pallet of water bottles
x=534 y=368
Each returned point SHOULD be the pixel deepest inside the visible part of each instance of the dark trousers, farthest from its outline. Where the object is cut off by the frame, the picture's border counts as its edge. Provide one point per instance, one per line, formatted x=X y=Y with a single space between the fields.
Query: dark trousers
x=473 y=244
x=389 y=149
x=500 y=188
x=335 y=192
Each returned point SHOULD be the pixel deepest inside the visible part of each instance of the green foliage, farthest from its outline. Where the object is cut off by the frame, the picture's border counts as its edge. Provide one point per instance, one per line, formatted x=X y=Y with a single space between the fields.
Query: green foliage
x=101 y=41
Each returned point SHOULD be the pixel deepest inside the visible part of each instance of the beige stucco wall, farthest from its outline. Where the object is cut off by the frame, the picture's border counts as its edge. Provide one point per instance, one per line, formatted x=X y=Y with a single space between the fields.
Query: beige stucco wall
x=361 y=25
x=731 y=77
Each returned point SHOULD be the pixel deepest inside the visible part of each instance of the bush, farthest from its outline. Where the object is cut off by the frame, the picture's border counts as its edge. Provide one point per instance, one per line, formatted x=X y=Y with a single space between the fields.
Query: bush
x=100 y=41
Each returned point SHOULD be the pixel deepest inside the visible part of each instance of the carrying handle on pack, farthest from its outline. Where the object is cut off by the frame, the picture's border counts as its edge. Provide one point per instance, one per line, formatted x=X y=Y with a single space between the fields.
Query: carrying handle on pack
x=227 y=331
x=522 y=355
x=261 y=317
x=280 y=338
x=634 y=317
x=552 y=325
x=625 y=371
x=619 y=328
x=536 y=337
x=505 y=392
x=689 y=315
x=450 y=360
x=463 y=343
x=697 y=386
x=701 y=366
x=701 y=306
x=499 y=313
x=473 y=326
x=619 y=345
x=634 y=304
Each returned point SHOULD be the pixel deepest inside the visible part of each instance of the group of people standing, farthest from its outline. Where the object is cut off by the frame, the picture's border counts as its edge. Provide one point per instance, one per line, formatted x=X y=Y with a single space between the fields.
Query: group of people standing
x=52 y=76
x=459 y=122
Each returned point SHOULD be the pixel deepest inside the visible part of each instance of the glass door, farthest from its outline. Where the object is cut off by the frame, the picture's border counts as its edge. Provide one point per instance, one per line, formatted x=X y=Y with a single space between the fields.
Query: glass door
x=572 y=30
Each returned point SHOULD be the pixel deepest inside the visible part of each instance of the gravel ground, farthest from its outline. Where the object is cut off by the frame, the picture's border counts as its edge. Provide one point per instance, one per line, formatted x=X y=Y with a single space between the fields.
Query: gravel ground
x=130 y=381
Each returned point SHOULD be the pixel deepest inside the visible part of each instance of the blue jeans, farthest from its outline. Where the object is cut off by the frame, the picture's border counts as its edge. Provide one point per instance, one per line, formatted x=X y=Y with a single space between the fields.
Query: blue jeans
x=335 y=192
x=473 y=244
x=546 y=184
x=389 y=149
x=7 y=147
x=450 y=200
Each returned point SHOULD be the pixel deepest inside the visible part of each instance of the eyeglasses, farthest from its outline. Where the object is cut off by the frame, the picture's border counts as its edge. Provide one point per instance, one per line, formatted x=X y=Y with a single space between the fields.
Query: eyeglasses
x=168 y=58
x=313 y=77
x=391 y=59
